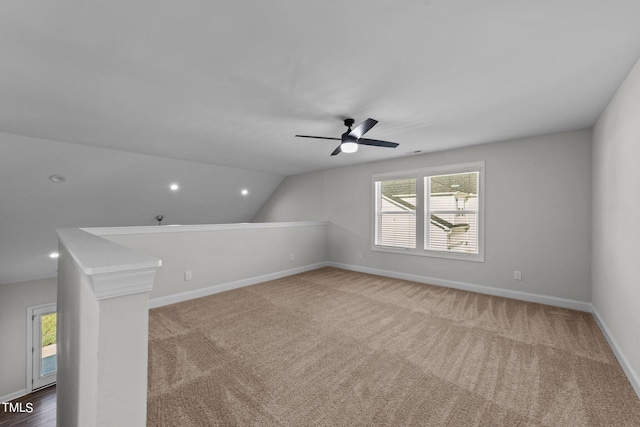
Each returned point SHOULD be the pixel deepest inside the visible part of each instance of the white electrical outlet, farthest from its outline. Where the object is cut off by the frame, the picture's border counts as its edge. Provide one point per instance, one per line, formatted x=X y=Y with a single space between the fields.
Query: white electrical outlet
x=188 y=275
x=292 y=257
x=517 y=275
x=360 y=255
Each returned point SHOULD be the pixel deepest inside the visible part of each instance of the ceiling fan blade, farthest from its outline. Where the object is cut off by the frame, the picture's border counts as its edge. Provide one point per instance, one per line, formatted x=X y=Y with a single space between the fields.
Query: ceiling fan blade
x=377 y=143
x=318 y=137
x=363 y=128
x=337 y=151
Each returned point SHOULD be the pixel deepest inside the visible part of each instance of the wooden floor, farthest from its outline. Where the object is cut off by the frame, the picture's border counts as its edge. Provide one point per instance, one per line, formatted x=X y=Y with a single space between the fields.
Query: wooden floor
x=43 y=403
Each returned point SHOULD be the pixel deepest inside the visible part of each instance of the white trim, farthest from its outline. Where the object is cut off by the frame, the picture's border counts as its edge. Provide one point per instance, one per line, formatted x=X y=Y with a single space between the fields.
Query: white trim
x=112 y=285
x=421 y=230
x=113 y=270
x=113 y=231
x=14 y=395
x=30 y=344
x=460 y=256
x=523 y=296
x=434 y=170
x=95 y=255
x=632 y=375
x=203 y=292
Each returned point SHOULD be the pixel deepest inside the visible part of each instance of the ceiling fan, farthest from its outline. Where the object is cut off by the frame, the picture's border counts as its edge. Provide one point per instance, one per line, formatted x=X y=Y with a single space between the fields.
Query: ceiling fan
x=351 y=138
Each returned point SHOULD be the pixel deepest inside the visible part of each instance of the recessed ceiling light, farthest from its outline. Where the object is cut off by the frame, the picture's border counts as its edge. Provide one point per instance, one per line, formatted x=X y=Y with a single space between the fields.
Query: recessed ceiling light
x=174 y=187
x=57 y=178
x=244 y=192
x=54 y=255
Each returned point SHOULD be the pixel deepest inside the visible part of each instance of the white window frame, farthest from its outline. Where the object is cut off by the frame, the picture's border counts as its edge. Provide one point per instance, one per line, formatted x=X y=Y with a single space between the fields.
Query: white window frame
x=420 y=175
x=399 y=175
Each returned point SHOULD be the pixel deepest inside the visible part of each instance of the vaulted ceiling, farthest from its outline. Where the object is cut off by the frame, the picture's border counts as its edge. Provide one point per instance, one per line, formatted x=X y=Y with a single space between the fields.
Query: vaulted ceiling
x=231 y=82
x=227 y=84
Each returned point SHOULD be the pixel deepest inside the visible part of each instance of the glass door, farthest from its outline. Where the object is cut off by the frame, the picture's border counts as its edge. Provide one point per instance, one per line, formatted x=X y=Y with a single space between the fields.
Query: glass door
x=44 y=346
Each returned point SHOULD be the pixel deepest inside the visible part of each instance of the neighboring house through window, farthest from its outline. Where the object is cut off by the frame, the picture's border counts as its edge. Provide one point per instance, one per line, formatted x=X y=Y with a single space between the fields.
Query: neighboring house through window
x=432 y=212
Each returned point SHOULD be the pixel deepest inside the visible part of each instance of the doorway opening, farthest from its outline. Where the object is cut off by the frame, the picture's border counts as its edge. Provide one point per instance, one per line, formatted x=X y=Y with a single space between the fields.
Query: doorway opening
x=42 y=350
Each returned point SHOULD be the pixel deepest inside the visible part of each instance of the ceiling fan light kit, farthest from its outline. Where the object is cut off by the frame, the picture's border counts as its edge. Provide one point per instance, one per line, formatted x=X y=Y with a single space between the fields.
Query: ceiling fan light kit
x=349 y=147
x=352 y=138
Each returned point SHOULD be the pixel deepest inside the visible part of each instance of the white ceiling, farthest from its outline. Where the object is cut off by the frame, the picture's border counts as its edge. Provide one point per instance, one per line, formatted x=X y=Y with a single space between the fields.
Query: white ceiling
x=107 y=188
x=231 y=82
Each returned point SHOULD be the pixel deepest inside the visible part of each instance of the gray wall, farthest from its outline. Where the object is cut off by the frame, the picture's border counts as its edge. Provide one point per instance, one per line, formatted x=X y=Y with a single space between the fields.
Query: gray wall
x=219 y=257
x=538 y=214
x=14 y=300
x=616 y=203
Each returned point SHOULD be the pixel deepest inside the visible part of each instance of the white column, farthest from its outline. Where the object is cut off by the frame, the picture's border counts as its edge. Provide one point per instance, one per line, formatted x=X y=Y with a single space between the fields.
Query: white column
x=103 y=300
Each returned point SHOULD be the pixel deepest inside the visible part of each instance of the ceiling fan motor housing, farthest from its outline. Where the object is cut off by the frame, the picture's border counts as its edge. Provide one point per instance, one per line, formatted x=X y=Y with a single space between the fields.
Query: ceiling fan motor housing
x=349 y=143
x=349 y=138
x=346 y=138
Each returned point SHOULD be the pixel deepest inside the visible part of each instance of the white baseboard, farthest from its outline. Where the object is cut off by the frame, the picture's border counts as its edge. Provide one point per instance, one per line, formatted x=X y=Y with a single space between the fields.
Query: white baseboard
x=523 y=296
x=12 y=396
x=632 y=375
x=210 y=290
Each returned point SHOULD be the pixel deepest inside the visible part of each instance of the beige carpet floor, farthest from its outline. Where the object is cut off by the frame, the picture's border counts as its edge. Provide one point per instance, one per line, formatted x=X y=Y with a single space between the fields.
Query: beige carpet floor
x=337 y=348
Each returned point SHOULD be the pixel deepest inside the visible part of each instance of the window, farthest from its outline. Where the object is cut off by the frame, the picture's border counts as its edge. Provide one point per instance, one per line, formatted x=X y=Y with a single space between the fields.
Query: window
x=452 y=210
x=396 y=213
x=433 y=212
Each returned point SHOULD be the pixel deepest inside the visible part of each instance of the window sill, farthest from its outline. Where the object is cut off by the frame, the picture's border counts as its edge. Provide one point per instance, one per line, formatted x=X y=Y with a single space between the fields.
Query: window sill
x=432 y=254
